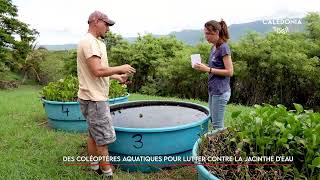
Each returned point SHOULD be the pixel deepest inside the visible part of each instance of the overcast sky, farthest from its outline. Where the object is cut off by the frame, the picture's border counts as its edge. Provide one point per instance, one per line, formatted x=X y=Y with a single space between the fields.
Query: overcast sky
x=65 y=21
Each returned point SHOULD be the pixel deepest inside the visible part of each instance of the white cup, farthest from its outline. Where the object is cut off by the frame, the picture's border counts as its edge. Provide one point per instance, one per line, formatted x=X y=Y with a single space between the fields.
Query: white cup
x=195 y=58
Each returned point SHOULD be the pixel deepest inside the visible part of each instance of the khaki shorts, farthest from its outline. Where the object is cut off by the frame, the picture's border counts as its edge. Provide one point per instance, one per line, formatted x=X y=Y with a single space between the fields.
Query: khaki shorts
x=97 y=114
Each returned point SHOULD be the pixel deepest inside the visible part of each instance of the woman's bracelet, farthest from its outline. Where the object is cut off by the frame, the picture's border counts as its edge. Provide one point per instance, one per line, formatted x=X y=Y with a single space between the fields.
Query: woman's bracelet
x=210 y=71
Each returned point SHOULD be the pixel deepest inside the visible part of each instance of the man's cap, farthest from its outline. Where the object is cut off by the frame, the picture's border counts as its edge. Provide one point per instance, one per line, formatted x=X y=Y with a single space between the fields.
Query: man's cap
x=97 y=15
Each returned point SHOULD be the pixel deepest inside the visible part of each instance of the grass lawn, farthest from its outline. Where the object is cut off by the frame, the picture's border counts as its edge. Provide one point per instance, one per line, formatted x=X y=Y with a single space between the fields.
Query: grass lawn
x=31 y=150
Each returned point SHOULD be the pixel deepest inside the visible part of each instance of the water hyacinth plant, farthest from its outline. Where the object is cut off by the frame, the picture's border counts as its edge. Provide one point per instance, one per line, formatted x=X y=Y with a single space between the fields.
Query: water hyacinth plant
x=66 y=90
x=268 y=131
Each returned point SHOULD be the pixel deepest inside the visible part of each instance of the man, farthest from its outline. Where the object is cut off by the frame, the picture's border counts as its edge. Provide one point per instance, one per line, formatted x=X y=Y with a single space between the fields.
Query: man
x=93 y=74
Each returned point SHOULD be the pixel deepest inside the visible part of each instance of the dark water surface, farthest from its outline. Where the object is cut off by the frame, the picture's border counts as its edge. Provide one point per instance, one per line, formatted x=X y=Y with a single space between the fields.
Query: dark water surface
x=156 y=116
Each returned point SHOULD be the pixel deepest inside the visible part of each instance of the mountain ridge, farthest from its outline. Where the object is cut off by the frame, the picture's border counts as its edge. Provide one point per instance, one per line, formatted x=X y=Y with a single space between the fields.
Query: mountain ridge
x=194 y=36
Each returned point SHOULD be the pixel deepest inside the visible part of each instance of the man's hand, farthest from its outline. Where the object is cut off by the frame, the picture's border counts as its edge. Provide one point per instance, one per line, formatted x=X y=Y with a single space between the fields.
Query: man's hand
x=94 y=64
x=123 y=78
x=127 y=69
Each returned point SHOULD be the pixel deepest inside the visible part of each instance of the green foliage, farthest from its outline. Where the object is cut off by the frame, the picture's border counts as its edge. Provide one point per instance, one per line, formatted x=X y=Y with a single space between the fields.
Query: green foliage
x=56 y=65
x=117 y=90
x=70 y=65
x=177 y=78
x=112 y=40
x=275 y=131
x=52 y=67
x=3 y=70
x=147 y=55
x=10 y=76
x=67 y=89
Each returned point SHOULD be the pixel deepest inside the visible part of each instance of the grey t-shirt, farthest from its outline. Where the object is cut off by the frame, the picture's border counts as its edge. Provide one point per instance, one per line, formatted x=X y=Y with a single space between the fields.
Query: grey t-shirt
x=218 y=85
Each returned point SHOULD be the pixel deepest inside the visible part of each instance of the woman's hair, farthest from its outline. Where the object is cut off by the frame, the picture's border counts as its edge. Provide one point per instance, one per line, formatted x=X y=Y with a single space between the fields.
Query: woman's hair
x=221 y=26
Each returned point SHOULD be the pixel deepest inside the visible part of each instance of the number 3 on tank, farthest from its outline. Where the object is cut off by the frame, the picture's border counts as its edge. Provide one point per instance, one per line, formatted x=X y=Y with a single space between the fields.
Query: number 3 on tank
x=138 y=141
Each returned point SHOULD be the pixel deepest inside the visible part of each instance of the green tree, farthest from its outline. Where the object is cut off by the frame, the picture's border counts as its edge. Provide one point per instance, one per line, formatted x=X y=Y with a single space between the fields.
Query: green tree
x=313 y=33
x=16 y=39
x=31 y=65
x=112 y=40
x=313 y=25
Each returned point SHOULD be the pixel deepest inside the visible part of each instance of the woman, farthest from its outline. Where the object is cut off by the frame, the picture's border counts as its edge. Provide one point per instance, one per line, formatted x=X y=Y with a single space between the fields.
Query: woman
x=220 y=70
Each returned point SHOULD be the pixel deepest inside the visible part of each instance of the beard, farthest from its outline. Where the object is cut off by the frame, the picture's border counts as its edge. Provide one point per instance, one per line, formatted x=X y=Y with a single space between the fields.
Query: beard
x=103 y=36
